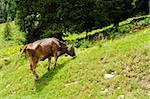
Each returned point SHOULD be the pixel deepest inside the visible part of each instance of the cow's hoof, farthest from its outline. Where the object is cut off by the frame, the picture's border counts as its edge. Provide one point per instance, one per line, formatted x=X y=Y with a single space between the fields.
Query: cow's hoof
x=54 y=66
x=74 y=57
x=36 y=78
x=48 y=69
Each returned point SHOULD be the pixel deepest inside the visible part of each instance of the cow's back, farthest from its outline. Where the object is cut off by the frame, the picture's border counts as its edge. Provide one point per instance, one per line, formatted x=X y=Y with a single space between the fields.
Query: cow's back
x=53 y=45
x=47 y=47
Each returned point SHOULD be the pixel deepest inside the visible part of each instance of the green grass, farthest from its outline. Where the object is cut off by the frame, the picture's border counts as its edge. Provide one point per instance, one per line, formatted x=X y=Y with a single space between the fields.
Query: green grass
x=128 y=58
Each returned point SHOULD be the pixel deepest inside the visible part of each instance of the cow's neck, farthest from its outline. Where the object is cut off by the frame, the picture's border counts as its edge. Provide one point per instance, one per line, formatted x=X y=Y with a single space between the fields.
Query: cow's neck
x=62 y=51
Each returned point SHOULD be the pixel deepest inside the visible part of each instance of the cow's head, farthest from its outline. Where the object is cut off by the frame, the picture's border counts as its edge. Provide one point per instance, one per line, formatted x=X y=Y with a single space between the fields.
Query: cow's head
x=71 y=51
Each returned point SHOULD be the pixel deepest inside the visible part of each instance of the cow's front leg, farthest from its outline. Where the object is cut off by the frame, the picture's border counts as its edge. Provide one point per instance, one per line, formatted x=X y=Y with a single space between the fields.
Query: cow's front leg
x=49 y=62
x=56 y=57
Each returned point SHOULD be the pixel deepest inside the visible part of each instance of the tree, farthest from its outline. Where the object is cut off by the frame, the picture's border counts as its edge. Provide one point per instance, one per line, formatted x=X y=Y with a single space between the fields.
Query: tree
x=141 y=7
x=57 y=15
x=7 y=31
x=40 y=17
x=7 y=10
x=119 y=10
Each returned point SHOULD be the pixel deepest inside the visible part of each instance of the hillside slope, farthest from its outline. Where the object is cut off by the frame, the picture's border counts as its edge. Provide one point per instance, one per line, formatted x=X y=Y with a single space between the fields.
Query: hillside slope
x=126 y=60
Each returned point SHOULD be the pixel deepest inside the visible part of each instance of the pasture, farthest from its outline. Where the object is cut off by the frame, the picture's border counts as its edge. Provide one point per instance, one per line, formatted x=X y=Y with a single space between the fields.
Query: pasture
x=126 y=59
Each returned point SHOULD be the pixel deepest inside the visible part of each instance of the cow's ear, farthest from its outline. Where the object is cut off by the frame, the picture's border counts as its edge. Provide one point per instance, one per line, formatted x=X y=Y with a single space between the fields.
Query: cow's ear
x=68 y=47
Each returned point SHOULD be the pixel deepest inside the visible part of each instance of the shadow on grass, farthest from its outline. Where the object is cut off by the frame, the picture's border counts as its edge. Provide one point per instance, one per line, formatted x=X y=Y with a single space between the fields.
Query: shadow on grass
x=44 y=80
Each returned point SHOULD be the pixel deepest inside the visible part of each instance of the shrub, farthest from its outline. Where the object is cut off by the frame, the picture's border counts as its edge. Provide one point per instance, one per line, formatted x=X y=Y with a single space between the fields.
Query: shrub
x=7 y=31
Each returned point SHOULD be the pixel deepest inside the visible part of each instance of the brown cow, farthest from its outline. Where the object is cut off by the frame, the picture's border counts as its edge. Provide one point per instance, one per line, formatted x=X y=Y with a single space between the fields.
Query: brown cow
x=46 y=48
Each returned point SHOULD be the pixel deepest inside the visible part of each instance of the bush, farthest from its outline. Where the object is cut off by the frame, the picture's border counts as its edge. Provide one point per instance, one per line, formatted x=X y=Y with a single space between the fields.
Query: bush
x=80 y=43
x=7 y=31
x=144 y=22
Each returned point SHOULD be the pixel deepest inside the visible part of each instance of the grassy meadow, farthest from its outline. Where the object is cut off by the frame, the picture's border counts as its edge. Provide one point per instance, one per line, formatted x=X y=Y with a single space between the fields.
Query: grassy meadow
x=126 y=60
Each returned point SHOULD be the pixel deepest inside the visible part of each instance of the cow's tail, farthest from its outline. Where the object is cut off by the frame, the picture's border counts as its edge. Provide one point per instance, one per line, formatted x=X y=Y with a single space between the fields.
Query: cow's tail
x=23 y=50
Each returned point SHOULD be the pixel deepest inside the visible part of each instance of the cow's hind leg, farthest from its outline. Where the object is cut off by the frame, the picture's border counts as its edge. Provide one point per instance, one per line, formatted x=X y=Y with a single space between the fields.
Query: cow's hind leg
x=49 y=62
x=33 y=62
x=32 y=67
